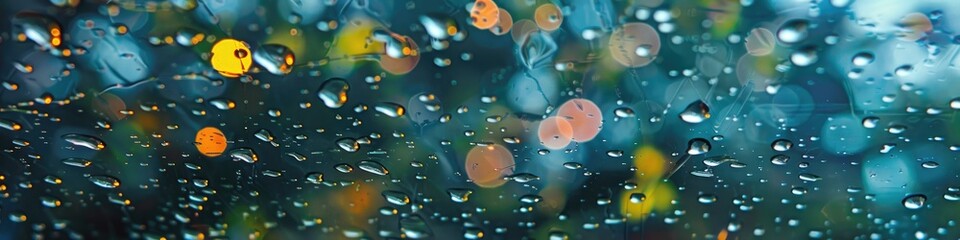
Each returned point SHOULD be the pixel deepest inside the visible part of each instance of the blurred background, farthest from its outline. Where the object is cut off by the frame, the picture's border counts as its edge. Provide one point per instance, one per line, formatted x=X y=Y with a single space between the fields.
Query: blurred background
x=494 y=119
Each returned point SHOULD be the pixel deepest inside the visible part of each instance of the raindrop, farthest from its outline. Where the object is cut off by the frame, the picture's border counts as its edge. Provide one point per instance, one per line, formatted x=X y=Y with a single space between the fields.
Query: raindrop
x=243 y=154
x=862 y=59
x=390 y=109
x=954 y=104
x=615 y=153
x=77 y=162
x=523 y=177
x=637 y=197
x=779 y=159
x=695 y=112
x=793 y=31
x=414 y=227
x=314 y=177
x=439 y=26
x=781 y=145
x=277 y=59
x=333 y=92
x=915 y=201
x=105 y=181
x=698 y=146
x=373 y=167
x=804 y=57
x=707 y=198
x=459 y=195
x=84 y=141
x=903 y=71
x=870 y=122
x=396 y=198
x=344 y=168
x=572 y=165
x=809 y=177
x=348 y=144
x=623 y=112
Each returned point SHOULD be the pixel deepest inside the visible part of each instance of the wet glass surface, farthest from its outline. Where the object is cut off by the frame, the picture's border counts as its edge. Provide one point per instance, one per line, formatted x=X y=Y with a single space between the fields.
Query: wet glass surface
x=494 y=119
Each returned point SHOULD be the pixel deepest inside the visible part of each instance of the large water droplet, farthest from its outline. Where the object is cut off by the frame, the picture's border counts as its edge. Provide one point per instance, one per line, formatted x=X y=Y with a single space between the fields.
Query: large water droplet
x=374 y=167
x=396 y=197
x=84 y=141
x=243 y=154
x=459 y=195
x=333 y=92
x=698 y=146
x=105 y=181
x=439 y=26
x=804 y=57
x=793 y=31
x=348 y=144
x=862 y=59
x=390 y=109
x=696 y=112
x=781 y=145
x=276 y=59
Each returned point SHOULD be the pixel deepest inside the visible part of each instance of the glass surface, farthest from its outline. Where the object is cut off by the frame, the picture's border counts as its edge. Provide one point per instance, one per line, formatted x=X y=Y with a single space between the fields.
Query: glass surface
x=493 y=119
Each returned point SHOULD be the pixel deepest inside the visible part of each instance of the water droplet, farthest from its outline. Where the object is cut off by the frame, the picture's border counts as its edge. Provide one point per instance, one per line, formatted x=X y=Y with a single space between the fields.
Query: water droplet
x=390 y=109
x=637 y=197
x=314 y=178
x=707 y=198
x=696 y=112
x=862 y=59
x=903 y=71
x=18 y=217
x=805 y=56
x=717 y=161
x=809 y=177
x=50 y=202
x=77 y=162
x=793 y=31
x=414 y=227
x=105 y=181
x=951 y=196
x=572 y=165
x=86 y=141
x=459 y=195
x=243 y=154
x=523 y=177
x=930 y=164
x=223 y=104
x=333 y=92
x=348 y=144
x=530 y=198
x=396 y=197
x=344 y=168
x=373 y=167
x=954 y=104
x=439 y=26
x=915 y=201
x=781 y=145
x=623 y=112
x=277 y=59
x=9 y=125
x=698 y=146
x=870 y=122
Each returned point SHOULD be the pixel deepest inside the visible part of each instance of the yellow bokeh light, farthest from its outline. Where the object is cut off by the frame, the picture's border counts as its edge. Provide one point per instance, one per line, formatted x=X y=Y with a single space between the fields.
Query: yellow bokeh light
x=230 y=57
